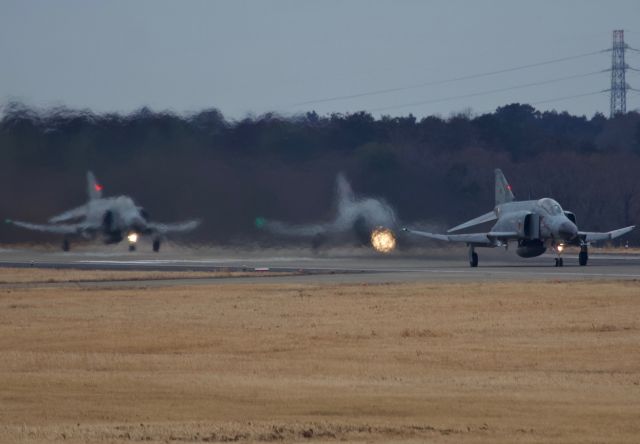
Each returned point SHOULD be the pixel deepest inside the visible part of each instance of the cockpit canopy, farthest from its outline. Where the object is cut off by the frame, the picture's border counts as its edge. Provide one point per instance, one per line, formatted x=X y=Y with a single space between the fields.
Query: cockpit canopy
x=550 y=206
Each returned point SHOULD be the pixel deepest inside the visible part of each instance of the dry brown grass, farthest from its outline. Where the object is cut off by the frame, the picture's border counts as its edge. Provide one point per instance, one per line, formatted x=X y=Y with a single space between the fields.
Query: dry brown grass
x=377 y=363
x=51 y=275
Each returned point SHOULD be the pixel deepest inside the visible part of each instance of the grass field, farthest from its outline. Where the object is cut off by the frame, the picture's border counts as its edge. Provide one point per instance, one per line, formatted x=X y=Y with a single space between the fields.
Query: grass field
x=51 y=275
x=470 y=363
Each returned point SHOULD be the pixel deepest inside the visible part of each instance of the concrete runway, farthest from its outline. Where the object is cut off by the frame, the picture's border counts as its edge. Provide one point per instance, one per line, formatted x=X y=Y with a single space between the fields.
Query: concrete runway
x=339 y=265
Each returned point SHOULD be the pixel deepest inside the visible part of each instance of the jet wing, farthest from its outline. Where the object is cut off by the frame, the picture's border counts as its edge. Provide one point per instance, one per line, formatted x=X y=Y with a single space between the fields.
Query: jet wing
x=487 y=239
x=74 y=213
x=179 y=227
x=57 y=228
x=296 y=230
x=488 y=217
x=588 y=236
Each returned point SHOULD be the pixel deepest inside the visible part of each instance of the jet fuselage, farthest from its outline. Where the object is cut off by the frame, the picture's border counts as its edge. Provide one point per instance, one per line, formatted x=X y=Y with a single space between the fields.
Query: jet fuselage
x=539 y=223
x=118 y=216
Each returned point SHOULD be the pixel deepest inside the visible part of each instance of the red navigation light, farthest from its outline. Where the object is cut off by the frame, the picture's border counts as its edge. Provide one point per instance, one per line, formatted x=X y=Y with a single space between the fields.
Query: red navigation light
x=98 y=187
x=509 y=187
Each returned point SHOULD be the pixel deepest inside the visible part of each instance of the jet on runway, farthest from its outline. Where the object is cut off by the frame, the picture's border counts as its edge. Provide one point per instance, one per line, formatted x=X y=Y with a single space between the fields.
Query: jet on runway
x=534 y=225
x=371 y=220
x=113 y=218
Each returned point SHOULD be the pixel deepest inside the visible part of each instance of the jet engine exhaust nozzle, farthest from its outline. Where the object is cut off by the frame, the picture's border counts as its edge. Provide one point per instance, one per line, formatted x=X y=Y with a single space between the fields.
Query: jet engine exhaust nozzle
x=383 y=240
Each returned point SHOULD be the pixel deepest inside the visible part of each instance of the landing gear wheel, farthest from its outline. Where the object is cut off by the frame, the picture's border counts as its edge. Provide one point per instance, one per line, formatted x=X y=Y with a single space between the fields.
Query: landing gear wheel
x=65 y=245
x=473 y=262
x=132 y=247
x=559 y=262
x=583 y=258
x=156 y=245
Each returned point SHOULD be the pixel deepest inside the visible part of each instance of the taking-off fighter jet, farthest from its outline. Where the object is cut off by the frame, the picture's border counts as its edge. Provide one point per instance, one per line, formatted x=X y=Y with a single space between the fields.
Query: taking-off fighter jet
x=113 y=218
x=371 y=221
x=534 y=224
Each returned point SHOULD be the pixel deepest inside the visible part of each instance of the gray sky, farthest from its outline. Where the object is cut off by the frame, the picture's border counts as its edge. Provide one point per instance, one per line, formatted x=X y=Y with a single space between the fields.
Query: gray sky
x=257 y=56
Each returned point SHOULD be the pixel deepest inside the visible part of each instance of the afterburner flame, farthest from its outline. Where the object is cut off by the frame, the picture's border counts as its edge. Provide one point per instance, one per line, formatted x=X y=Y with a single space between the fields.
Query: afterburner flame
x=132 y=238
x=383 y=240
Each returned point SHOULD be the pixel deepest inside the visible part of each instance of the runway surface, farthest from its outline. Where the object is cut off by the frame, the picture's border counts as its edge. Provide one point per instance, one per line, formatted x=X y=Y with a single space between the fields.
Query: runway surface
x=335 y=266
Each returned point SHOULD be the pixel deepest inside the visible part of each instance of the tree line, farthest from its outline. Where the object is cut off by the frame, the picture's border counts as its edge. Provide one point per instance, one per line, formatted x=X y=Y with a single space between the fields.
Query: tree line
x=434 y=170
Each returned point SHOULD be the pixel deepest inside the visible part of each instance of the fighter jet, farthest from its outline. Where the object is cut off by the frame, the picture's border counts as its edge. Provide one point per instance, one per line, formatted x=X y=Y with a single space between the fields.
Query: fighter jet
x=112 y=218
x=370 y=220
x=535 y=225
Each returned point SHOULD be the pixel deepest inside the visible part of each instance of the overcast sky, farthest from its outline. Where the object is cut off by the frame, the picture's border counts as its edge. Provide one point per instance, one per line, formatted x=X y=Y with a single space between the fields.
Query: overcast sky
x=251 y=57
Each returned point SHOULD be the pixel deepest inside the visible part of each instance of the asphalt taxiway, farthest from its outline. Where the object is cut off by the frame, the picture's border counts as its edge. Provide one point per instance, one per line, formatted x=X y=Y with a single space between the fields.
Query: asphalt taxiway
x=335 y=266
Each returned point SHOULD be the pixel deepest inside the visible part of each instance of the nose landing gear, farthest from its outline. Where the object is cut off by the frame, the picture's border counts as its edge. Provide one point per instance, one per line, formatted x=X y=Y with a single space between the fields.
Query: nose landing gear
x=559 y=262
x=132 y=238
x=559 y=249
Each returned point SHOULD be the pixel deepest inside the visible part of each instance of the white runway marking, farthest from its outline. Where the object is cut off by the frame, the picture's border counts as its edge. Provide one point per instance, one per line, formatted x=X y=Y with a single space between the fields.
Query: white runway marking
x=256 y=264
x=356 y=266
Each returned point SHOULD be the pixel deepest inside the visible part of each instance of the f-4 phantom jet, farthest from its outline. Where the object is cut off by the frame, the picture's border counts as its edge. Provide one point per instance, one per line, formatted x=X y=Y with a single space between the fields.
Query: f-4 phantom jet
x=535 y=225
x=371 y=221
x=112 y=218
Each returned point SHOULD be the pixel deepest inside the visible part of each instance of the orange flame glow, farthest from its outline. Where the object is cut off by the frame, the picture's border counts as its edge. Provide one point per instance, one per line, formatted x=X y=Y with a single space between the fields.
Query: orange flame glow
x=383 y=240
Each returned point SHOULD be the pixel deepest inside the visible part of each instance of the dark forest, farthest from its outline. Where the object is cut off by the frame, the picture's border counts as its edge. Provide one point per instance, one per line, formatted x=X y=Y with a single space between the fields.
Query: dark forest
x=436 y=171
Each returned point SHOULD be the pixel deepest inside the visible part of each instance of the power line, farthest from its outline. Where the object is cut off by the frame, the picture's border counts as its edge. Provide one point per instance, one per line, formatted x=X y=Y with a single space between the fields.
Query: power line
x=492 y=91
x=557 y=99
x=455 y=79
x=575 y=96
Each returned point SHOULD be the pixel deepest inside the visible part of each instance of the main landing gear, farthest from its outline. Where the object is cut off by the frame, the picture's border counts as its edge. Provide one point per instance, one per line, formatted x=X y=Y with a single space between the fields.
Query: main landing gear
x=583 y=256
x=473 y=257
x=156 y=245
x=66 y=245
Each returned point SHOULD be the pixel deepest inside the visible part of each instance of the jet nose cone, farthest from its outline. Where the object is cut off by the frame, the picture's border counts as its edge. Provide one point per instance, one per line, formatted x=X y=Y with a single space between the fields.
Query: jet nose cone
x=567 y=230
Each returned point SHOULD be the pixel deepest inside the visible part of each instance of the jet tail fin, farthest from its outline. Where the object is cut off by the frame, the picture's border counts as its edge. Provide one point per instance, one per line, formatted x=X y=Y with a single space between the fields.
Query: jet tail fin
x=94 y=189
x=503 y=189
x=344 y=191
